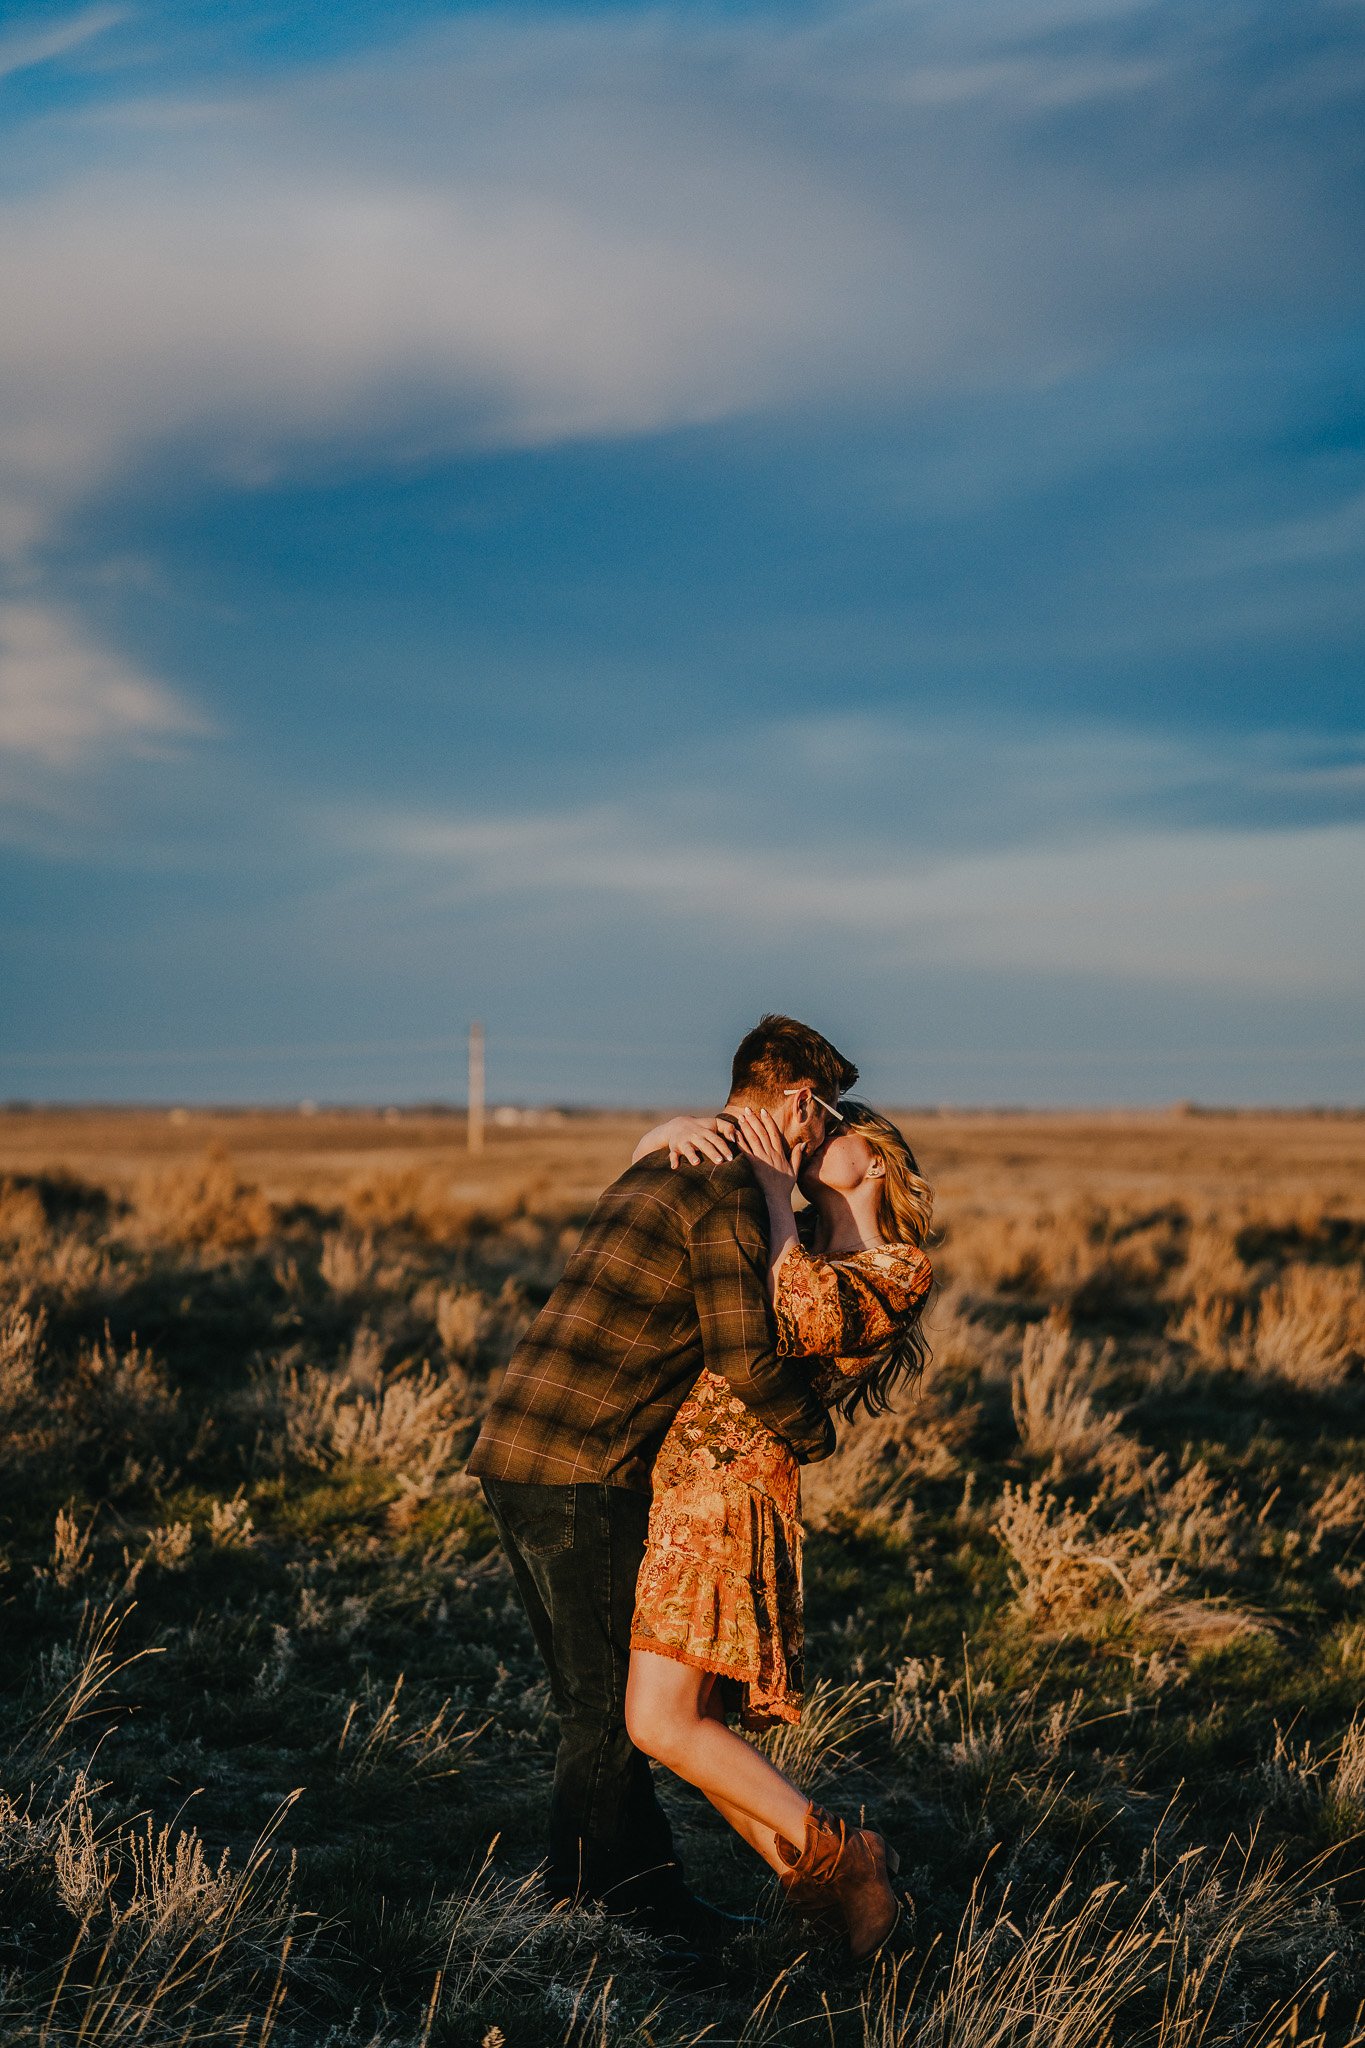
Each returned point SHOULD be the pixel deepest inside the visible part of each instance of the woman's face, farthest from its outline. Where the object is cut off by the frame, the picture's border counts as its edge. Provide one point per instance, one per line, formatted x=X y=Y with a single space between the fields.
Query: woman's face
x=840 y=1164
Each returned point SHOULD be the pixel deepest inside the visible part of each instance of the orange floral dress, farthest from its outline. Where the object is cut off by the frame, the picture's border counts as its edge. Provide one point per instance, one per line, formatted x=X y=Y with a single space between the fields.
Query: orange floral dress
x=720 y=1586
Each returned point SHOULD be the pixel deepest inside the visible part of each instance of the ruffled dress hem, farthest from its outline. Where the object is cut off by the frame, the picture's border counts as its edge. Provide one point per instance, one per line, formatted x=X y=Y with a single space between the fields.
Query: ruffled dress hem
x=756 y=1709
x=720 y=1586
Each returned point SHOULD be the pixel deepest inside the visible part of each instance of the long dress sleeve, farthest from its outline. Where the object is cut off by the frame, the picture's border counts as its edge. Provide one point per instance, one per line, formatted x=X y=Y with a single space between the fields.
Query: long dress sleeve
x=846 y=1309
x=727 y=1256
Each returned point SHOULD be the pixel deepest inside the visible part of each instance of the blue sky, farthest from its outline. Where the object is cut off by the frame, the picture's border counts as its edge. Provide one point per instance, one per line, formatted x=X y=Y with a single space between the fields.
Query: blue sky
x=611 y=519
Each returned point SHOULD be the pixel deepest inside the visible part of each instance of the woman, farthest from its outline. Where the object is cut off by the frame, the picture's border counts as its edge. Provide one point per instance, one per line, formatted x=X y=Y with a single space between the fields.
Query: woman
x=717 y=1622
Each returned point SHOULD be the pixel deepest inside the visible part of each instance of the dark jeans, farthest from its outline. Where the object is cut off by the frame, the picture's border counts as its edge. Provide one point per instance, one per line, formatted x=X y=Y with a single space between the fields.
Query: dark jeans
x=575 y=1553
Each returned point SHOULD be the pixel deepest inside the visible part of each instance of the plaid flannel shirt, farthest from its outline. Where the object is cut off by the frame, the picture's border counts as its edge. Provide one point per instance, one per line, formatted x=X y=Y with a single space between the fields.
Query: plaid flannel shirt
x=669 y=1276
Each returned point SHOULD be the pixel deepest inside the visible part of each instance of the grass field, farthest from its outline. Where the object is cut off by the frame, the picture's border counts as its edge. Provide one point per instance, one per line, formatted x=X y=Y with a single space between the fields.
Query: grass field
x=1086 y=1617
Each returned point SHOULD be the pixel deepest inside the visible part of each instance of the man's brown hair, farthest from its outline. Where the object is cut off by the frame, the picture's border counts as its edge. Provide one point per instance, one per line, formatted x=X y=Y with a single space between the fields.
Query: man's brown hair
x=780 y=1053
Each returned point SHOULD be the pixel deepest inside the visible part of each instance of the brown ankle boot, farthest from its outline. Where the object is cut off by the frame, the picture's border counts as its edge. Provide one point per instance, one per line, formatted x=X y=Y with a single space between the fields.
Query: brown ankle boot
x=844 y=1869
x=813 y=1903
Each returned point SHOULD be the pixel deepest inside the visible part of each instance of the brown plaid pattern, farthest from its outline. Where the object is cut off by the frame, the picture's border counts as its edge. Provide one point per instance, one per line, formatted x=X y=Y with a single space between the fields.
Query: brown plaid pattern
x=669 y=1276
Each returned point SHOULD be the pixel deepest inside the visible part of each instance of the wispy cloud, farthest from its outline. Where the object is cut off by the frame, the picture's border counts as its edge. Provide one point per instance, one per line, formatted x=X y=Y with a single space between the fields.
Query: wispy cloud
x=22 y=48
x=66 y=703
x=1099 y=893
x=1033 y=82
x=1308 y=542
x=1201 y=909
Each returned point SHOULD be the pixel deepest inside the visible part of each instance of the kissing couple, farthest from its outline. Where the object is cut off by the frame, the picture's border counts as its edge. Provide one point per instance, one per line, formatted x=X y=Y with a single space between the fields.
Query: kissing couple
x=641 y=1463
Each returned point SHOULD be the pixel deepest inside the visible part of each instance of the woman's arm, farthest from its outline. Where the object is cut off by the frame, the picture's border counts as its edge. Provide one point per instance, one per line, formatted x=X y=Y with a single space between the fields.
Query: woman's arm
x=693 y=1138
x=849 y=1309
x=775 y=1170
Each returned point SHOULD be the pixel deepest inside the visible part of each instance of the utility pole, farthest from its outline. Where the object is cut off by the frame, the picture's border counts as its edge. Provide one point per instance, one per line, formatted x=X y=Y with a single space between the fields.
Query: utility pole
x=476 y=1087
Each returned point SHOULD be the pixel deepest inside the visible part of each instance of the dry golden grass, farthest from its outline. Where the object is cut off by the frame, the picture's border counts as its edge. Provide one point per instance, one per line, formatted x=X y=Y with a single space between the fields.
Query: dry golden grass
x=1086 y=1620
x=1015 y=1171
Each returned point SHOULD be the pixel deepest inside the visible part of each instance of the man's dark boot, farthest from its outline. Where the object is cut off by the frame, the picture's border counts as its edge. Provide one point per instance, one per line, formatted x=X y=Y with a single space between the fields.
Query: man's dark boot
x=684 y=1969
x=683 y=1917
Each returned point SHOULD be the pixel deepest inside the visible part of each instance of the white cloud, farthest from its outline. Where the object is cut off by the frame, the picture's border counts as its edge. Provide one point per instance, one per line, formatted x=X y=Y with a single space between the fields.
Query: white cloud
x=517 y=232
x=65 y=703
x=277 y=312
x=275 y=275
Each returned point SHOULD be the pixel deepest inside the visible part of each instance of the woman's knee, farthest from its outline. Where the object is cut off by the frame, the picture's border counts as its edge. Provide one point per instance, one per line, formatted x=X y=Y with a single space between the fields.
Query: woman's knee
x=661 y=1708
x=649 y=1723
x=644 y=1727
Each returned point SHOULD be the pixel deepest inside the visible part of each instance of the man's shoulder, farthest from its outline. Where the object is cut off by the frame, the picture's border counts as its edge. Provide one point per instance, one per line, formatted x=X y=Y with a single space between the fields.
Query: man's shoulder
x=689 y=1192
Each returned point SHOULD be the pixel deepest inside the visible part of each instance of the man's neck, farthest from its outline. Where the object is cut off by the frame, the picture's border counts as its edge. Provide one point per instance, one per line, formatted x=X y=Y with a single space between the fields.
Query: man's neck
x=775 y=1110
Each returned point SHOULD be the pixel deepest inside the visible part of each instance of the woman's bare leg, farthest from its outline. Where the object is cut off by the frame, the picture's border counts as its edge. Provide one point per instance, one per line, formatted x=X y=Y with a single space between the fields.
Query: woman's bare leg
x=667 y=1716
x=761 y=1839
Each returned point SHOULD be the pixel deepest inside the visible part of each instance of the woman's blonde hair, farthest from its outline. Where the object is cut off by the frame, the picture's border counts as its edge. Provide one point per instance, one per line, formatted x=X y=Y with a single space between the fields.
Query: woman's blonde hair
x=905 y=1215
x=906 y=1210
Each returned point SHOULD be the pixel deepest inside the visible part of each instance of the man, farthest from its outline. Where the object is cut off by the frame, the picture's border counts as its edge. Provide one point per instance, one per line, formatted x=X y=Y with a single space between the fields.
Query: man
x=669 y=1277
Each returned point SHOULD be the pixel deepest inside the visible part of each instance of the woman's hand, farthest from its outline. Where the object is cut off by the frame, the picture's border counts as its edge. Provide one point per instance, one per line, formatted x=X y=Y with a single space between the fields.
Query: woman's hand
x=761 y=1139
x=775 y=1169
x=697 y=1139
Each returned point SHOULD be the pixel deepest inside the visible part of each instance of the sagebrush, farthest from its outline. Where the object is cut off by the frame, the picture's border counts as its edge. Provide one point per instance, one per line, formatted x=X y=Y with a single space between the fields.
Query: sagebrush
x=1086 y=1616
